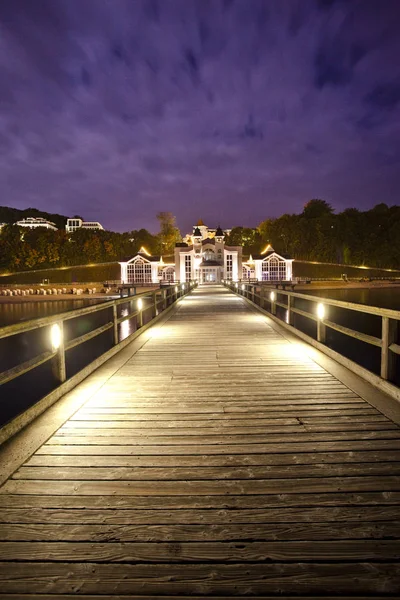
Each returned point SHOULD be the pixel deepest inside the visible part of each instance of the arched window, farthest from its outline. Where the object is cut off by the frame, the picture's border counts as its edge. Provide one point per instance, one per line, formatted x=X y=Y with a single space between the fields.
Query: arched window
x=273 y=269
x=139 y=271
x=209 y=255
x=168 y=274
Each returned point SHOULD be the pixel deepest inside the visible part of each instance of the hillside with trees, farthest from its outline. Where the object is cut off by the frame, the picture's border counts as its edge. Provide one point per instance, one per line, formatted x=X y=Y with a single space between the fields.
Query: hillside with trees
x=352 y=237
x=23 y=249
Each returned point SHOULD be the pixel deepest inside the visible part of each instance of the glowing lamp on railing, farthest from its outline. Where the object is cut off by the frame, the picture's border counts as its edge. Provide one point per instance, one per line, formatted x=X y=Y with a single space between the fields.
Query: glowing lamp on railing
x=320 y=311
x=243 y=286
x=183 y=286
x=272 y=296
x=176 y=289
x=55 y=335
x=140 y=304
x=236 y=285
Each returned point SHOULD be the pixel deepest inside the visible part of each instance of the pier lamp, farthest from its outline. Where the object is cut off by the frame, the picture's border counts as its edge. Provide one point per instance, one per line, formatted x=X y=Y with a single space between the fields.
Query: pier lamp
x=183 y=286
x=140 y=304
x=321 y=327
x=320 y=311
x=272 y=296
x=176 y=289
x=236 y=285
x=243 y=286
x=55 y=335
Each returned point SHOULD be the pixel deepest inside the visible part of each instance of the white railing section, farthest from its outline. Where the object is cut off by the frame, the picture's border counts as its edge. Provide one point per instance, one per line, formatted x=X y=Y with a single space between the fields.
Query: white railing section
x=268 y=299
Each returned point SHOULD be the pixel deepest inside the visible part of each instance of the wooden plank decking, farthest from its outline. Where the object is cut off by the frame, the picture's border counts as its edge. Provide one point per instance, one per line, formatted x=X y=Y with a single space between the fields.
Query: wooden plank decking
x=218 y=461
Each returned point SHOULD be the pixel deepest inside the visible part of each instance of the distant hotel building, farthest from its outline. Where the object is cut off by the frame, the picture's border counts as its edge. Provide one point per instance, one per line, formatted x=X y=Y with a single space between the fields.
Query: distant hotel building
x=74 y=224
x=207 y=260
x=34 y=222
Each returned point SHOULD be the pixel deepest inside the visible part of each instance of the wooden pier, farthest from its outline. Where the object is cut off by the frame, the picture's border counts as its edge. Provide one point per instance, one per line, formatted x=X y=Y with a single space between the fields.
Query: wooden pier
x=219 y=460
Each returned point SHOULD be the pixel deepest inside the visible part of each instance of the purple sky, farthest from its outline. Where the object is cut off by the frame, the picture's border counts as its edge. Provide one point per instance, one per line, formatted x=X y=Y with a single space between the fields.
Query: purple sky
x=228 y=110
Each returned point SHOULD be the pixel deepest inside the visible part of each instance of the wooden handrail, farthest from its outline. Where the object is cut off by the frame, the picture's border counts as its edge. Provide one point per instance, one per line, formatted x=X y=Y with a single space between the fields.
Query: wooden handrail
x=390 y=318
x=156 y=301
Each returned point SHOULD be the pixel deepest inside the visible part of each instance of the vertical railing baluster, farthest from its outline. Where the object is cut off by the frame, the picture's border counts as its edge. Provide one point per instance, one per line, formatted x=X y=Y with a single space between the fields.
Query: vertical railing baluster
x=388 y=359
x=115 y=324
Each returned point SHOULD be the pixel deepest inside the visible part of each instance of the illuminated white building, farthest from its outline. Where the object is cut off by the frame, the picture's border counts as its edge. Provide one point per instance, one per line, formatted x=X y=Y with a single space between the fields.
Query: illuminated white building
x=206 y=260
x=75 y=223
x=35 y=222
x=268 y=266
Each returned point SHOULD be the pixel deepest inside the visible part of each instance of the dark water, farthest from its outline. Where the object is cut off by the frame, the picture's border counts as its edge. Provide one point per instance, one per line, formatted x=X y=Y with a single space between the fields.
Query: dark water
x=381 y=297
x=15 y=312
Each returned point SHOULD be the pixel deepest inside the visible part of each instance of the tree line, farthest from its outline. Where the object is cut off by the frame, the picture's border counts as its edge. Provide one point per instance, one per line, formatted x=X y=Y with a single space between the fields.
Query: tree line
x=22 y=248
x=352 y=237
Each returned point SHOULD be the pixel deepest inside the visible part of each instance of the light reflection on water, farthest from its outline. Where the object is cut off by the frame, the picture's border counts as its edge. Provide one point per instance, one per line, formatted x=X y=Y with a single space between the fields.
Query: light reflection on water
x=125 y=326
x=14 y=312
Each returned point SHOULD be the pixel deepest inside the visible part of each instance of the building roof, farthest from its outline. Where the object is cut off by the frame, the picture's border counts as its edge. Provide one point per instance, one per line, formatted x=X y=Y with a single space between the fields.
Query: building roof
x=181 y=245
x=219 y=232
x=196 y=232
x=155 y=258
x=208 y=241
x=200 y=223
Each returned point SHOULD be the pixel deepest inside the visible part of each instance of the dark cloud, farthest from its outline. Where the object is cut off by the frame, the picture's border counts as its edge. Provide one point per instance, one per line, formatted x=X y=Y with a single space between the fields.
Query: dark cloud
x=229 y=110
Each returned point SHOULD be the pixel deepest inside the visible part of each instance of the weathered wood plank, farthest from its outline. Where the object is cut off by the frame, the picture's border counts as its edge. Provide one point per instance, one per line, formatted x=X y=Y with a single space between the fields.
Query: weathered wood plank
x=203 y=473
x=232 y=440
x=203 y=488
x=204 y=552
x=318 y=578
x=235 y=501
x=107 y=516
x=274 y=447
x=199 y=533
x=234 y=460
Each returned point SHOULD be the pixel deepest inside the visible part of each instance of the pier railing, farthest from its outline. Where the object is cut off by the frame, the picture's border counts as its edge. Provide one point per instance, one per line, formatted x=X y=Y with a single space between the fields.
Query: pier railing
x=271 y=300
x=143 y=308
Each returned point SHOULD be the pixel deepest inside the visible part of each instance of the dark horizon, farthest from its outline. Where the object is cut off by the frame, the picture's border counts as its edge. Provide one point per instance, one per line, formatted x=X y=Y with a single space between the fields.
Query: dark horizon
x=228 y=111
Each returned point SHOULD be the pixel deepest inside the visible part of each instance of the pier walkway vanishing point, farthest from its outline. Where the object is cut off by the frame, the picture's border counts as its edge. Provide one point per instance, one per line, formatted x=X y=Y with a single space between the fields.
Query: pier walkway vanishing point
x=219 y=460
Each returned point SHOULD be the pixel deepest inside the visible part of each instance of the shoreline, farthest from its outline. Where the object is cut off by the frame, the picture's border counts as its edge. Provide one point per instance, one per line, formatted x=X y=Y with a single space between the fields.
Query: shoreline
x=350 y=285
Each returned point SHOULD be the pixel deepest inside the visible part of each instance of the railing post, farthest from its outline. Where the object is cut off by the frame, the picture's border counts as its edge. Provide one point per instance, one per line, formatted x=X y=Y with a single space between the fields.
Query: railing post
x=272 y=297
x=164 y=299
x=290 y=314
x=155 y=303
x=140 y=318
x=388 y=359
x=321 y=331
x=58 y=366
x=115 y=323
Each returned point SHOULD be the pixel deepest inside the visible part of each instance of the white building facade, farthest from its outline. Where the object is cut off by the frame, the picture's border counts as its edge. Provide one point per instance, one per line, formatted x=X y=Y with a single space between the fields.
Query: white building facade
x=35 y=222
x=206 y=260
x=75 y=224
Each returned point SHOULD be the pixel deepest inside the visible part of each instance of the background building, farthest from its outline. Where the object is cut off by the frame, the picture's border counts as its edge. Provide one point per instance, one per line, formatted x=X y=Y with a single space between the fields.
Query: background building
x=75 y=223
x=34 y=222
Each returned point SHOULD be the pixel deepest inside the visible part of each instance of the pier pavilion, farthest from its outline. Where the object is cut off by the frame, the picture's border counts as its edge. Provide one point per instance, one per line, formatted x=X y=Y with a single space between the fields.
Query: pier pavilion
x=207 y=260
